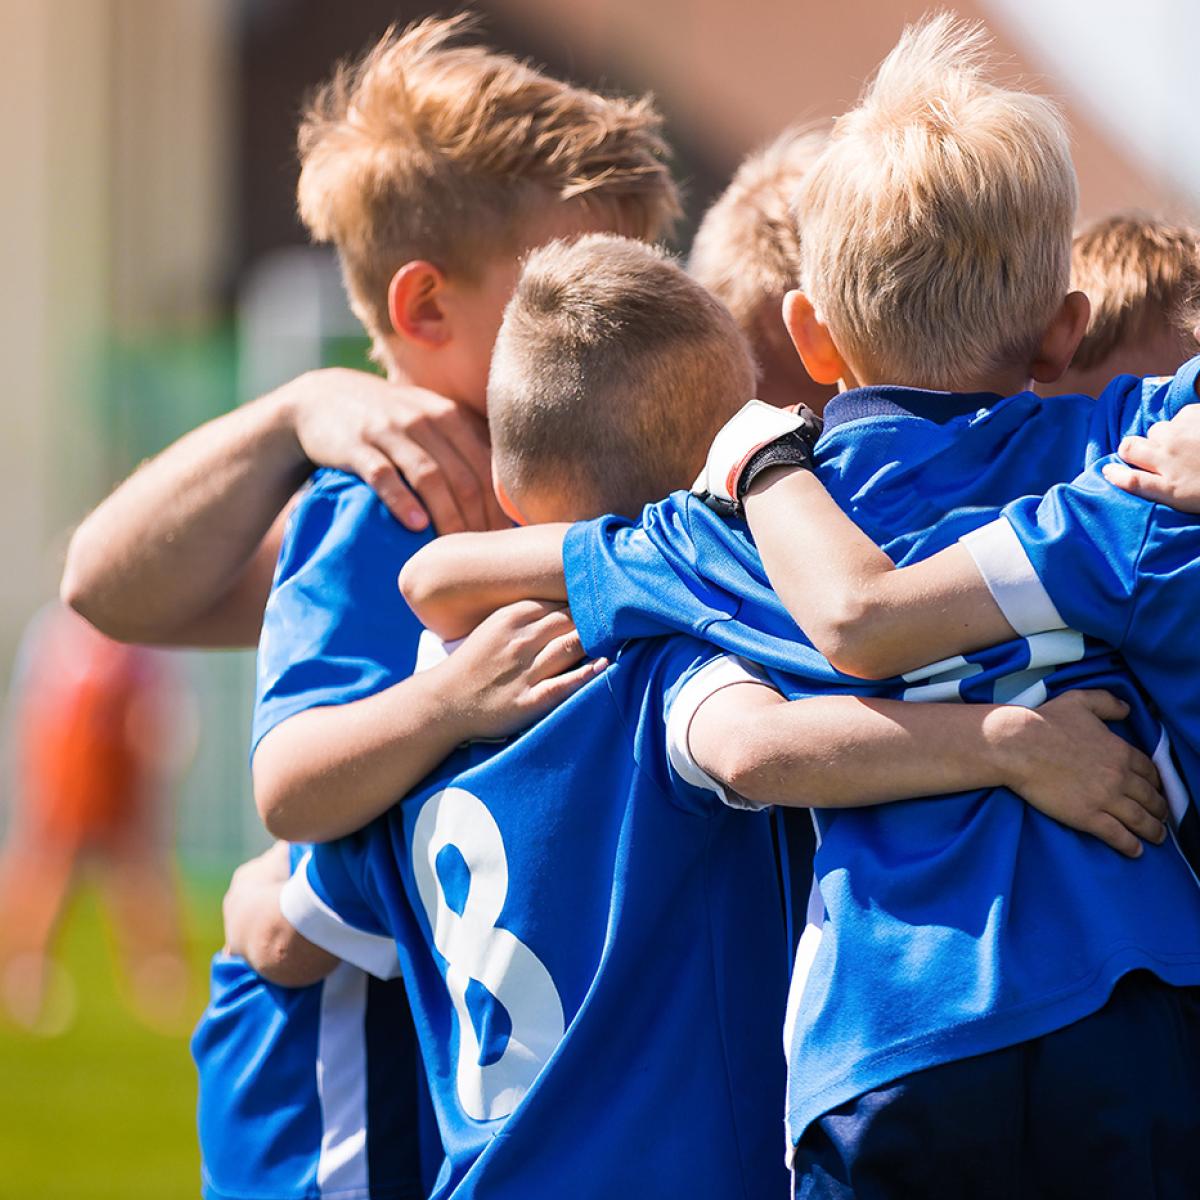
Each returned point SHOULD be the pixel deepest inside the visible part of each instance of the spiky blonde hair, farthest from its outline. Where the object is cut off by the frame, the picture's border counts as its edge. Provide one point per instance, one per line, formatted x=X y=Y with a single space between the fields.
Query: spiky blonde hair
x=1138 y=271
x=427 y=148
x=937 y=223
x=747 y=248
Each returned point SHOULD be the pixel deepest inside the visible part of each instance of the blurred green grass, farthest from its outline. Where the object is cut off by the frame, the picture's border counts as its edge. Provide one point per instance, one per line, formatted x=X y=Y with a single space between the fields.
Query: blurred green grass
x=106 y=1111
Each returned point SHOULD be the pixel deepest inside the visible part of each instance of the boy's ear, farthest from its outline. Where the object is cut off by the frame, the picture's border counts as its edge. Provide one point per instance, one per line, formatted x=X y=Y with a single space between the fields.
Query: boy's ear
x=820 y=356
x=1061 y=339
x=416 y=303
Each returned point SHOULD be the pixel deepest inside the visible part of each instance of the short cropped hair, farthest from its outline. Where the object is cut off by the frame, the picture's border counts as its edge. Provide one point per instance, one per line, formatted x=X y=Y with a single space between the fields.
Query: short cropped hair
x=937 y=223
x=747 y=248
x=1138 y=271
x=427 y=148
x=611 y=374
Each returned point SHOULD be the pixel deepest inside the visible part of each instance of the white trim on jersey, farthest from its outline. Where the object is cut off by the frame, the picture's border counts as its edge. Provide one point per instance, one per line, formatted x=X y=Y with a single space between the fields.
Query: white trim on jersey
x=806 y=953
x=342 y=1168
x=312 y=917
x=1010 y=577
x=721 y=672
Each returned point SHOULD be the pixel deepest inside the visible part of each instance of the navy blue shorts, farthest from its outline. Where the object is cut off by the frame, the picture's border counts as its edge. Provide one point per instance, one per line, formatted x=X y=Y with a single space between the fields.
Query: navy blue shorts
x=1108 y=1107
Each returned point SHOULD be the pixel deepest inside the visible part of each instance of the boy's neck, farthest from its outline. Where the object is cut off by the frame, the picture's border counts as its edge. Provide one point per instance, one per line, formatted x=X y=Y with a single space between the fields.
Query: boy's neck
x=1000 y=383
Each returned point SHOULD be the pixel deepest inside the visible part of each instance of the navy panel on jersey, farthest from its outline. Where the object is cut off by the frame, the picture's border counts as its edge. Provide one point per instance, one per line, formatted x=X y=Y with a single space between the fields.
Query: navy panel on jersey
x=957 y=926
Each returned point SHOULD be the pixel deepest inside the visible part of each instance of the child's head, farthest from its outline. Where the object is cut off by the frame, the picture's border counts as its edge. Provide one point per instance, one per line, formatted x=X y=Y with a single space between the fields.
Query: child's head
x=432 y=166
x=937 y=228
x=1142 y=276
x=612 y=372
x=747 y=253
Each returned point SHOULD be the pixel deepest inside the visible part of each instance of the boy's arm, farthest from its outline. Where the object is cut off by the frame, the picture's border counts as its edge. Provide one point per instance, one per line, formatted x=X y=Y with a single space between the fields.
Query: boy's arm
x=841 y=751
x=182 y=552
x=868 y=617
x=256 y=929
x=328 y=770
x=453 y=583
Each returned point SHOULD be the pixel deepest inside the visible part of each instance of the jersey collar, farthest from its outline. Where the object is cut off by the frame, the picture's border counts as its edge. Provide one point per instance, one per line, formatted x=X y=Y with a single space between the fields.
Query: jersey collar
x=886 y=401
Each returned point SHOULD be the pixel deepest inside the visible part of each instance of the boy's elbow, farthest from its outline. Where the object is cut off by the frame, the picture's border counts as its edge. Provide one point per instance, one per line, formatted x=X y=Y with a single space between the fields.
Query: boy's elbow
x=851 y=636
x=410 y=585
x=278 y=814
x=79 y=589
x=273 y=798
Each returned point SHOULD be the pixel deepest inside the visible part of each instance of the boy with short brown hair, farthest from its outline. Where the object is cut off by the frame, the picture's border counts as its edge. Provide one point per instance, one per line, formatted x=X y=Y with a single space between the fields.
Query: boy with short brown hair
x=1142 y=277
x=747 y=252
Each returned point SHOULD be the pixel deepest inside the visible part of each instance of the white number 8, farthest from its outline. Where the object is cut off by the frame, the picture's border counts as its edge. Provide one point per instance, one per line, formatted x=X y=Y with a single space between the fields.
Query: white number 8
x=475 y=947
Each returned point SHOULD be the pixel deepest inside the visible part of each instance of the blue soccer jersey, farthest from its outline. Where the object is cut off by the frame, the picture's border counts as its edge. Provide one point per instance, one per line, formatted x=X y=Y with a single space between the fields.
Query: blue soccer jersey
x=595 y=947
x=310 y=1092
x=956 y=926
x=1118 y=568
x=315 y=1091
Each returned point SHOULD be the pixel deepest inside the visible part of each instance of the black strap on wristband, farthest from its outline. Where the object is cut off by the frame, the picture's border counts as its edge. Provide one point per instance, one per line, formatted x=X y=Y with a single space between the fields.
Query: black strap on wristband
x=793 y=449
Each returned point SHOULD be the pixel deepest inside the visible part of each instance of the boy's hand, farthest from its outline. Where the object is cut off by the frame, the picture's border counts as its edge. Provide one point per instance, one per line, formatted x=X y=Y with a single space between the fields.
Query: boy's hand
x=517 y=665
x=1063 y=760
x=238 y=907
x=1163 y=466
x=405 y=442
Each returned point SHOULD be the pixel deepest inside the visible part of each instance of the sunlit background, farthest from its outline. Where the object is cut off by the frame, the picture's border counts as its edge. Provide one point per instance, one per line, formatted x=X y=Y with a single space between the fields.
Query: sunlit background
x=155 y=275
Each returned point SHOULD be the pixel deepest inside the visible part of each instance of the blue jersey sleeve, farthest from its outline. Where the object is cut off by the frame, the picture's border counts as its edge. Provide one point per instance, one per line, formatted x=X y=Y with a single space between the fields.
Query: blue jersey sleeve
x=1112 y=565
x=336 y=627
x=627 y=580
x=1130 y=405
x=681 y=569
x=331 y=901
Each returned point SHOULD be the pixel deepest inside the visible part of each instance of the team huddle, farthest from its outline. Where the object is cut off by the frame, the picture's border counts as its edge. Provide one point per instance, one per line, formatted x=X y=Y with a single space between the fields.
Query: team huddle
x=616 y=857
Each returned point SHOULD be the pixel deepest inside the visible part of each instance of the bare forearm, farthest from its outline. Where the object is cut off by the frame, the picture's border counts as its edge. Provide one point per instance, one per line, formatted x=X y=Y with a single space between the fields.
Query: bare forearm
x=178 y=537
x=866 y=616
x=841 y=751
x=329 y=771
x=452 y=584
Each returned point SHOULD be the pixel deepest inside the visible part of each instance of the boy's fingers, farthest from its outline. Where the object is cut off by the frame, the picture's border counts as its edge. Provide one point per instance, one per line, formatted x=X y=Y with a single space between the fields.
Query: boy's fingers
x=1131 y=813
x=1137 y=483
x=1147 y=796
x=558 y=655
x=1141 y=764
x=553 y=691
x=1103 y=704
x=379 y=473
x=1110 y=831
x=427 y=453
x=1142 y=452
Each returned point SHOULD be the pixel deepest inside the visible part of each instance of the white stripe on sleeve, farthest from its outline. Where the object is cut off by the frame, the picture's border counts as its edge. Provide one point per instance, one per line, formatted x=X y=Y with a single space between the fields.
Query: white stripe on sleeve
x=1010 y=577
x=312 y=917
x=721 y=672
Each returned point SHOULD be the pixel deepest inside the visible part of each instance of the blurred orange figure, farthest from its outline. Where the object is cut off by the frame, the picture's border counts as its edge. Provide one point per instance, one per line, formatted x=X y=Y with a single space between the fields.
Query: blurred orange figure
x=95 y=731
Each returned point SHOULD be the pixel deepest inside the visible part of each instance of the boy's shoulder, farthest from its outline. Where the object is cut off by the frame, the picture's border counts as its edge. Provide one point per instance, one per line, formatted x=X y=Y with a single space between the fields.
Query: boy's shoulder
x=337 y=505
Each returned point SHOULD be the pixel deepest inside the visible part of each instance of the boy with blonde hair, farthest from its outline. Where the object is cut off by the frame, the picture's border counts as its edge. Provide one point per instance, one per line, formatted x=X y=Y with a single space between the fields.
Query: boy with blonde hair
x=1142 y=277
x=432 y=166
x=977 y=978
x=747 y=251
x=586 y=895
